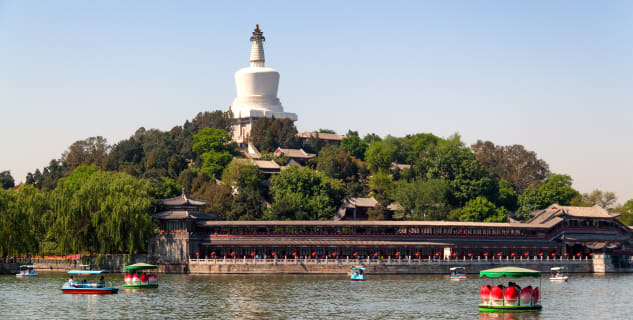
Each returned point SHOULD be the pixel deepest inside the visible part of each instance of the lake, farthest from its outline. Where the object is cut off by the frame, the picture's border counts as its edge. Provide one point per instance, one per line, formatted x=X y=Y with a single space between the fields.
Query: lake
x=586 y=296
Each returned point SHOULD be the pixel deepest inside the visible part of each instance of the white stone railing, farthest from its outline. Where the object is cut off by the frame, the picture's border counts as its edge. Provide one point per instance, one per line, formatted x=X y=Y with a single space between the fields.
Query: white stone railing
x=390 y=261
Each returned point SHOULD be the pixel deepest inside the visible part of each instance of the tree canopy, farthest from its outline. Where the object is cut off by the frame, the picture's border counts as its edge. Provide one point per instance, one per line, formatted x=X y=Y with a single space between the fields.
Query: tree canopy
x=215 y=148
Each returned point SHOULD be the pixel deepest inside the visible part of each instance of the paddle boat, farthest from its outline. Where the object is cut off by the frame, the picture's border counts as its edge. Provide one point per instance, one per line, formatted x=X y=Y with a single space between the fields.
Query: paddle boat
x=144 y=281
x=457 y=273
x=558 y=274
x=357 y=273
x=74 y=286
x=511 y=298
x=26 y=271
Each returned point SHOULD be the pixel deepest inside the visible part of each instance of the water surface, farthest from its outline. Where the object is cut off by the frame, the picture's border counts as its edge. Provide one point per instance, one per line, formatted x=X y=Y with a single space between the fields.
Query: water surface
x=310 y=297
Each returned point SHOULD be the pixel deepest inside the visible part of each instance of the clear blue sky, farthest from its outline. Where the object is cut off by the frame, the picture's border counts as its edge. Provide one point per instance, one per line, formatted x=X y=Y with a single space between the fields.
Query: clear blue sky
x=556 y=77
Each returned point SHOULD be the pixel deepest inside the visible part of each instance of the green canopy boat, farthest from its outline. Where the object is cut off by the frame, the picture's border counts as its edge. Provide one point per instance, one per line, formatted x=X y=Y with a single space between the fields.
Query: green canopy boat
x=511 y=298
x=134 y=280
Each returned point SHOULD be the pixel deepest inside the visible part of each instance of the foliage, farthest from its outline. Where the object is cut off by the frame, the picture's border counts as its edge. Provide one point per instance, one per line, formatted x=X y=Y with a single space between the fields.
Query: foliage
x=100 y=212
x=215 y=149
x=22 y=223
x=355 y=145
x=268 y=133
x=381 y=182
x=323 y=130
x=380 y=211
x=85 y=152
x=164 y=188
x=479 y=209
x=457 y=165
x=506 y=197
x=219 y=197
x=557 y=189
x=379 y=156
x=6 y=180
x=336 y=162
x=301 y=193
x=513 y=163
x=604 y=199
x=424 y=199
x=626 y=213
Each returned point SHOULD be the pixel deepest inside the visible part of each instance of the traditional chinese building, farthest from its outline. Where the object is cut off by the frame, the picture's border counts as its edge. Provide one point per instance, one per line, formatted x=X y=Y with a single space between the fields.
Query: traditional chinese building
x=557 y=231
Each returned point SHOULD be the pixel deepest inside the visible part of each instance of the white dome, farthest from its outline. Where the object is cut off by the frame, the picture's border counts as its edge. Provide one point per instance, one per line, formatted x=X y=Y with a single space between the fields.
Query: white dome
x=257 y=86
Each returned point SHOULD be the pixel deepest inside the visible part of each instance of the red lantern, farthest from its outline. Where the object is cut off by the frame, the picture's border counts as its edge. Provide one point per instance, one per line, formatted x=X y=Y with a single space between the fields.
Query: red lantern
x=591 y=254
x=197 y=254
x=526 y=254
x=470 y=255
x=355 y=254
x=454 y=255
x=417 y=254
x=376 y=254
x=565 y=254
x=252 y=254
x=273 y=254
x=313 y=254
x=578 y=254
x=437 y=254
x=512 y=254
x=485 y=254
x=294 y=254
x=499 y=254
x=397 y=254
x=553 y=254
x=232 y=254
x=213 y=254
x=333 y=254
x=540 y=254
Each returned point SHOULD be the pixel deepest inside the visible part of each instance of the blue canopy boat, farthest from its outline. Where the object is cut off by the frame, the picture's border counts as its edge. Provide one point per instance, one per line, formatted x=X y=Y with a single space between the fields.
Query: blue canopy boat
x=26 y=271
x=357 y=274
x=84 y=287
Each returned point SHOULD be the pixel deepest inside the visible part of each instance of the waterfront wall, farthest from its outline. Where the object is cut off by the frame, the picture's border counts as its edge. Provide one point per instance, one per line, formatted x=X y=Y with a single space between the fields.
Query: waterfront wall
x=403 y=266
x=114 y=263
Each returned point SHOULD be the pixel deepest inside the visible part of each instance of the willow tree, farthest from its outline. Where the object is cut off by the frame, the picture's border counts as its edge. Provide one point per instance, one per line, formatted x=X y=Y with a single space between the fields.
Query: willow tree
x=101 y=212
x=21 y=220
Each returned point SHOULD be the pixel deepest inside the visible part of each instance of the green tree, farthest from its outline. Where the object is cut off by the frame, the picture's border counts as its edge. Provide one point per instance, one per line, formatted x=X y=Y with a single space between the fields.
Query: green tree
x=506 y=197
x=424 y=199
x=626 y=213
x=336 y=163
x=269 y=133
x=22 y=224
x=355 y=145
x=379 y=156
x=219 y=198
x=478 y=210
x=457 y=165
x=215 y=149
x=515 y=164
x=6 y=180
x=557 y=189
x=604 y=199
x=301 y=193
x=100 y=212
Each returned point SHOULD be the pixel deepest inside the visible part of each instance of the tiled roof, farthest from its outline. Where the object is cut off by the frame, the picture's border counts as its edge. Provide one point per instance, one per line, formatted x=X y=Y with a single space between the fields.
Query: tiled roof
x=555 y=212
x=345 y=223
x=183 y=200
x=294 y=153
x=322 y=136
x=267 y=164
x=183 y=214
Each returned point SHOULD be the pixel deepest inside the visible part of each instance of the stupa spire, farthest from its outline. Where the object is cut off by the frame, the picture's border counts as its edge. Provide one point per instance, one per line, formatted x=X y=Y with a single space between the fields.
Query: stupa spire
x=257 y=48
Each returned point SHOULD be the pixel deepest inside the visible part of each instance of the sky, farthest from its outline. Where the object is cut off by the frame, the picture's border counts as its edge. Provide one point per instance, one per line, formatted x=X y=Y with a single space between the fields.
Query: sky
x=553 y=76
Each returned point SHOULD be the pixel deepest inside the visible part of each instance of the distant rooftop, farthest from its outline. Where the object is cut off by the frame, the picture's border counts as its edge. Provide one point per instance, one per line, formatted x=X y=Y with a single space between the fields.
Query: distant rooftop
x=183 y=200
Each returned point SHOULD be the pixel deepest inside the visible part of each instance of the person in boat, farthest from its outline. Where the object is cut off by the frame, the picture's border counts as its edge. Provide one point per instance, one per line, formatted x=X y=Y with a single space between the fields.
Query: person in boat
x=101 y=283
x=71 y=281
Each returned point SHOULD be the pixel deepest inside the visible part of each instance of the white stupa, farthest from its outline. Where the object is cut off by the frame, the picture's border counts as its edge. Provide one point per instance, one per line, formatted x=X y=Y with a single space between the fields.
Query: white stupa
x=256 y=92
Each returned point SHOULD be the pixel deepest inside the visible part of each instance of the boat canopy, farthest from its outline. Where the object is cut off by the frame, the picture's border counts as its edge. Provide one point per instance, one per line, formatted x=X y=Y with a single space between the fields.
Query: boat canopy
x=140 y=266
x=457 y=268
x=87 y=272
x=512 y=272
x=557 y=268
